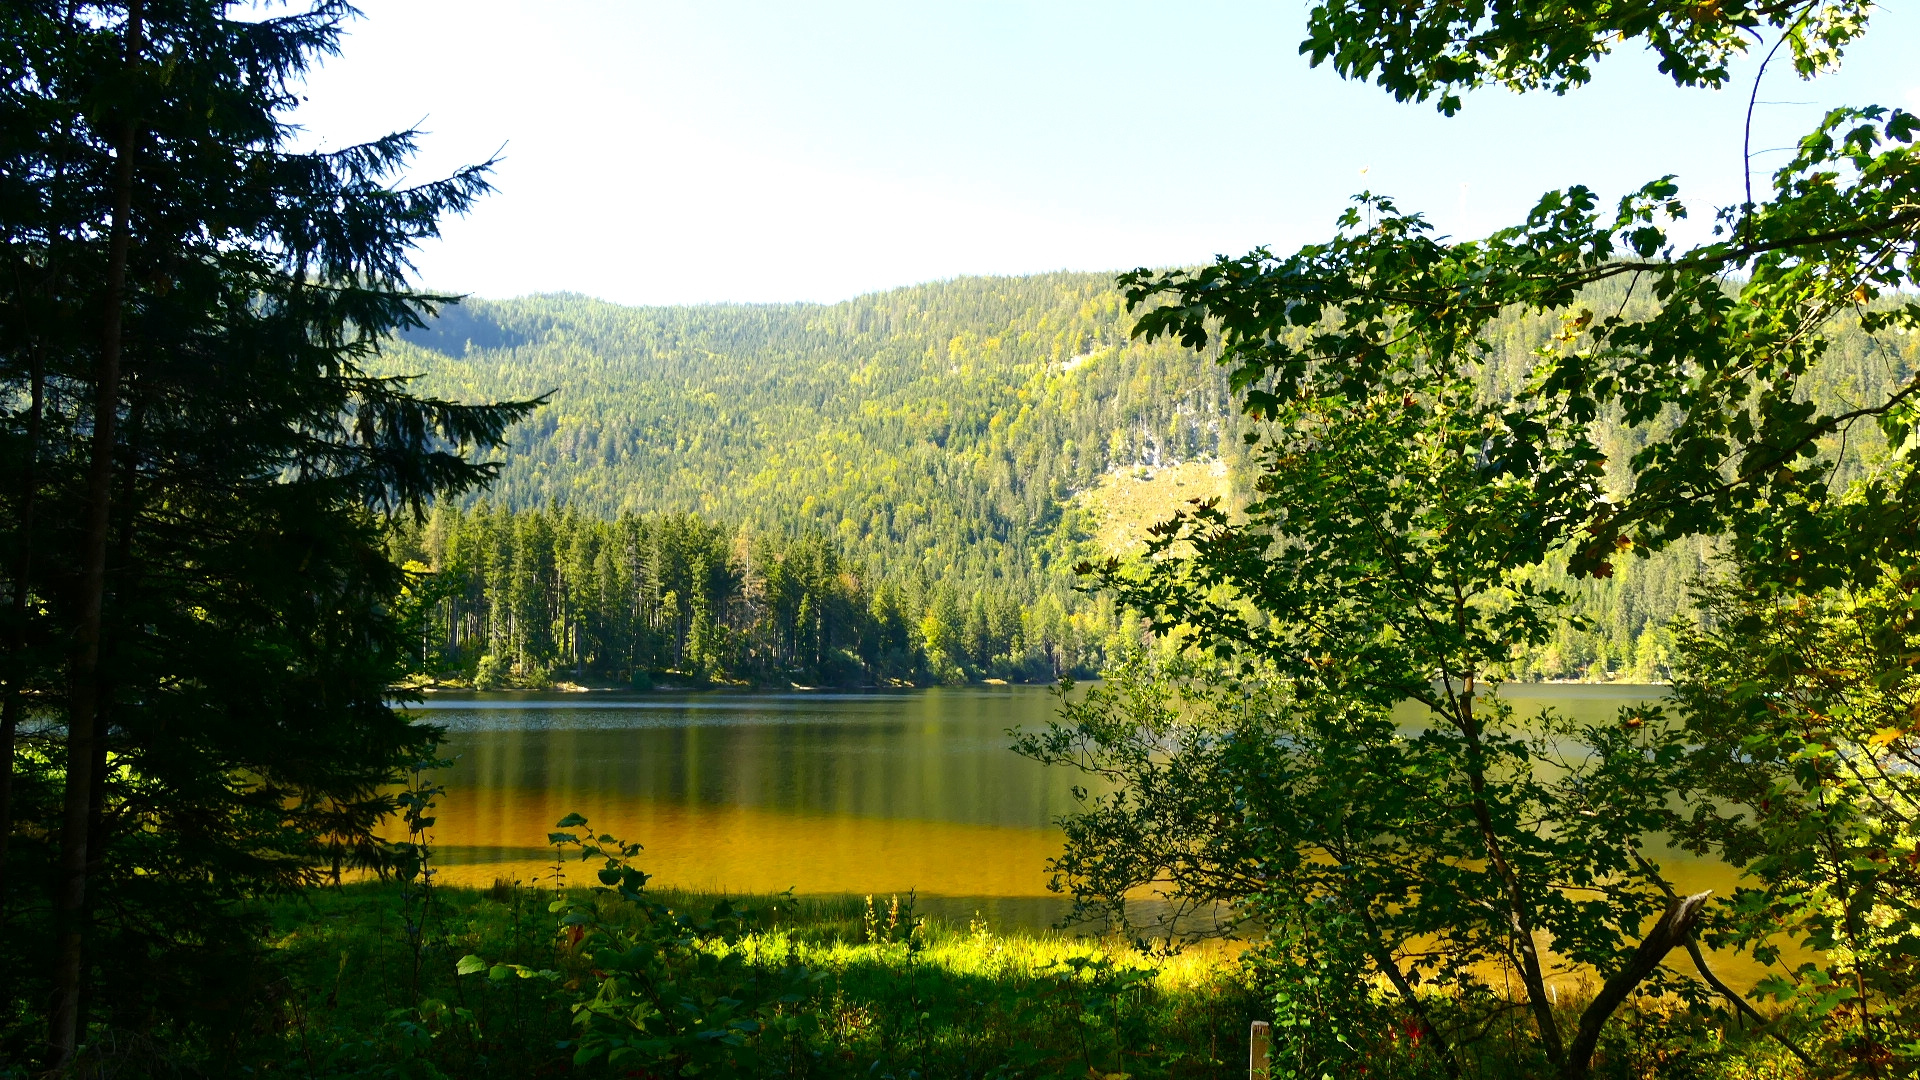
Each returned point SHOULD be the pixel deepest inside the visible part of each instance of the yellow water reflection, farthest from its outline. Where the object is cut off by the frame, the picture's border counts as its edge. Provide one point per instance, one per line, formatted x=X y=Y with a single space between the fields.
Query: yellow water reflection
x=820 y=793
x=483 y=835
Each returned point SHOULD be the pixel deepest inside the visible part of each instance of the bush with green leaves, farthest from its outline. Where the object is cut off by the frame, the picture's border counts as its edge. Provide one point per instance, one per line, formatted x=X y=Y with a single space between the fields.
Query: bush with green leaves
x=1393 y=555
x=1403 y=882
x=1412 y=505
x=1805 y=709
x=667 y=994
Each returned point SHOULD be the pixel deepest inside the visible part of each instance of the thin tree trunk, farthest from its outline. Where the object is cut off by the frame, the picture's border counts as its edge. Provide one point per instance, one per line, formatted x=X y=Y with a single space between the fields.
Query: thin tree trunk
x=1519 y=916
x=84 y=697
x=1740 y=1003
x=1384 y=960
x=15 y=701
x=98 y=832
x=16 y=645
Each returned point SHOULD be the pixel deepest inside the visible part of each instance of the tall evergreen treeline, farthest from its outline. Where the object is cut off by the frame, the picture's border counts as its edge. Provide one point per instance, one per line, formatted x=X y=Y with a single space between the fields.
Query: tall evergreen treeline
x=925 y=443
x=533 y=597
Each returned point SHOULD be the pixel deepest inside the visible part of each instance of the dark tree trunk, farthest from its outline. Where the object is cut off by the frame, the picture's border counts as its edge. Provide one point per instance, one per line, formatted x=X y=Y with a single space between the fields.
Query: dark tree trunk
x=15 y=701
x=85 y=697
x=1519 y=915
x=1674 y=930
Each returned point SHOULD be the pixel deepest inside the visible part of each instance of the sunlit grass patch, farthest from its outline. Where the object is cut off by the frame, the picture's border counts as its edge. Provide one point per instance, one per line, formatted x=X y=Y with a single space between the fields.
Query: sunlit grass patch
x=887 y=990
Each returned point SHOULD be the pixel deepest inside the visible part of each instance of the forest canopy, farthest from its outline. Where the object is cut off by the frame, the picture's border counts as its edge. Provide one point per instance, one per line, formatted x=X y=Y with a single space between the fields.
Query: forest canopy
x=948 y=439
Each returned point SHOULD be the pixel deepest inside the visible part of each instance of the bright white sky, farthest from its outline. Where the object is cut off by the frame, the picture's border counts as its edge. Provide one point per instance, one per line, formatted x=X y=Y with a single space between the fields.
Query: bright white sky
x=717 y=150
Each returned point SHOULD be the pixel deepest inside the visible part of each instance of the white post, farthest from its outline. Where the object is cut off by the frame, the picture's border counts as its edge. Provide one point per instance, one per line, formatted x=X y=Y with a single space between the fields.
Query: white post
x=1258 y=1042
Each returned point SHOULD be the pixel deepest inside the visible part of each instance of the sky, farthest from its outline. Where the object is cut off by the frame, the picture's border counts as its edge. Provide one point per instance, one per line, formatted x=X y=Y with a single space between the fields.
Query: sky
x=718 y=150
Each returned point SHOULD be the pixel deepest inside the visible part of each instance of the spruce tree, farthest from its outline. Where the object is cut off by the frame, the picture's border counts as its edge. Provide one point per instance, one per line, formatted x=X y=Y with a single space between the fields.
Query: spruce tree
x=202 y=620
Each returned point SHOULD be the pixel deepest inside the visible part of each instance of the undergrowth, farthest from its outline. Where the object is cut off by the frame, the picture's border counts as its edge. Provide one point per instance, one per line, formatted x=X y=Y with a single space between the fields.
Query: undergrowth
x=880 y=992
x=401 y=980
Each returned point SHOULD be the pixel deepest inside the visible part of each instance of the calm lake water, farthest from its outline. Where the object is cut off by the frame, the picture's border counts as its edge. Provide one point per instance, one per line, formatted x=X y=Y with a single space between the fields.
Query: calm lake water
x=823 y=793
x=760 y=792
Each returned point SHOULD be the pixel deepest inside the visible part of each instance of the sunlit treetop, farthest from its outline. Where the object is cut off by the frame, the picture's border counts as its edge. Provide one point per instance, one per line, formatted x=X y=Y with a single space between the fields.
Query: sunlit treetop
x=1436 y=49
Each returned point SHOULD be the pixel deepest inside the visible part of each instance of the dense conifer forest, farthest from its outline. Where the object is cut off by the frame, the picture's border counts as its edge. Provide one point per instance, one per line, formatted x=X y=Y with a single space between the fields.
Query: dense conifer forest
x=891 y=488
x=535 y=597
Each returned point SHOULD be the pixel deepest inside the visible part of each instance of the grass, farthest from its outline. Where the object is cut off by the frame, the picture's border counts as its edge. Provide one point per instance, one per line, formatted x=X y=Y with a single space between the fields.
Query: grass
x=1126 y=502
x=369 y=990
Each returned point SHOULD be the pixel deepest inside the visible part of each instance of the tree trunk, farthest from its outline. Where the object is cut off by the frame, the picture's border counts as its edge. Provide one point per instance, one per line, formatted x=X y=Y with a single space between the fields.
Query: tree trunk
x=17 y=643
x=1519 y=921
x=99 y=831
x=1383 y=959
x=84 y=697
x=15 y=701
x=1519 y=916
x=1674 y=930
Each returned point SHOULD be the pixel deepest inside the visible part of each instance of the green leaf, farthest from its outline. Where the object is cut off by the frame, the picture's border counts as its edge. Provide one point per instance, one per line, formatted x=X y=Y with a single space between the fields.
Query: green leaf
x=1777 y=987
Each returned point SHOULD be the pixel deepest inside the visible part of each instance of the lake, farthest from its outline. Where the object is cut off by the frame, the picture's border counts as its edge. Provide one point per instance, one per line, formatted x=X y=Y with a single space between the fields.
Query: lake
x=824 y=793
x=866 y=792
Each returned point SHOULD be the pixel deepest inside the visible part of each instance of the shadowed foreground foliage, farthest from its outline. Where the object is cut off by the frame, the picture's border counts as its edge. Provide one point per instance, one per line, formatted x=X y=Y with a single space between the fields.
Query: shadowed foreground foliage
x=866 y=991
x=839 y=987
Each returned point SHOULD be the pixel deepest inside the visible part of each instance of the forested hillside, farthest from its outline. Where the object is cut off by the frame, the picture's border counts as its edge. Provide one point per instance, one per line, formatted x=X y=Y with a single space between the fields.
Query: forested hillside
x=929 y=454
x=933 y=437
x=942 y=427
